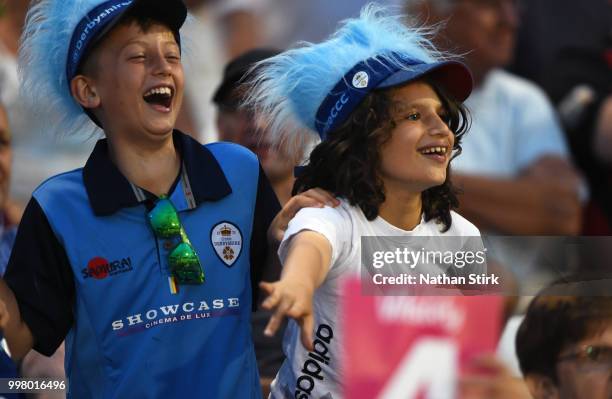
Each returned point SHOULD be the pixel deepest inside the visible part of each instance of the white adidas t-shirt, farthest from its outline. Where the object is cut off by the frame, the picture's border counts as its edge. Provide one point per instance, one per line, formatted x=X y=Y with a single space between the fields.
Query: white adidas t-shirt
x=316 y=374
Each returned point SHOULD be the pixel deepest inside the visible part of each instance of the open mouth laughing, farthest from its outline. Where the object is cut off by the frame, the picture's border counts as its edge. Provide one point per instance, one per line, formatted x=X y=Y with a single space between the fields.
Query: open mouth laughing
x=160 y=97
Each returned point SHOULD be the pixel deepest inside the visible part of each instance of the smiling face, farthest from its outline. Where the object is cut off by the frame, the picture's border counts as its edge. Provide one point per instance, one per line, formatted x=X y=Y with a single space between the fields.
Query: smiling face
x=134 y=82
x=586 y=371
x=417 y=153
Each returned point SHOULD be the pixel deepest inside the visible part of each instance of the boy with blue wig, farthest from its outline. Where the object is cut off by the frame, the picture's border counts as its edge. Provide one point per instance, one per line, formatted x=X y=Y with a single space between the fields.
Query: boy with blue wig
x=144 y=260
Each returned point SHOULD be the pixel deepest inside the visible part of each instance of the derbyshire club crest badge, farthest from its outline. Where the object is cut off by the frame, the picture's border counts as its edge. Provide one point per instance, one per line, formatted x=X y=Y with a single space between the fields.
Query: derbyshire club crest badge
x=361 y=79
x=226 y=239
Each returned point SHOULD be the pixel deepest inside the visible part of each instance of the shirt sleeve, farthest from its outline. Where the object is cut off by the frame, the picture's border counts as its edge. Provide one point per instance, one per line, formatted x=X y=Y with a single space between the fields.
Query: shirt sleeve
x=329 y=222
x=541 y=134
x=40 y=276
x=538 y=128
x=266 y=208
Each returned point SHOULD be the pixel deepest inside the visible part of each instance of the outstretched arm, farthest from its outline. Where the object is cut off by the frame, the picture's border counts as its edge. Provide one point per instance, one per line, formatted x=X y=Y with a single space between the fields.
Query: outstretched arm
x=308 y=261
x=313 y=198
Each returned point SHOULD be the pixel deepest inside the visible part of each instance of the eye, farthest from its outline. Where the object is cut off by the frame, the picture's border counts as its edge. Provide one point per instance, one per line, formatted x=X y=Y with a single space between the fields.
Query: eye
x=598 y=353
x=173 y=57
x=413 y=116
x=137 y=57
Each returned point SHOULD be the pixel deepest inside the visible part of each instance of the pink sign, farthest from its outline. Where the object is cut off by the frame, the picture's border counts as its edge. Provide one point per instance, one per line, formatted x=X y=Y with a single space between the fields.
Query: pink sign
x=413 y=346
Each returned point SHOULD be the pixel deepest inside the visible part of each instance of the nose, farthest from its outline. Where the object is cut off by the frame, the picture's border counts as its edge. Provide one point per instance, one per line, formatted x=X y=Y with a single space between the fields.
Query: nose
x=437 y=127
x=160 y=65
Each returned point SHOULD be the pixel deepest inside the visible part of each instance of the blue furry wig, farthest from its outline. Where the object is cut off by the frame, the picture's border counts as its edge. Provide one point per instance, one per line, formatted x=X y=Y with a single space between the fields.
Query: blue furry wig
x=290 y=89
x=42 y=62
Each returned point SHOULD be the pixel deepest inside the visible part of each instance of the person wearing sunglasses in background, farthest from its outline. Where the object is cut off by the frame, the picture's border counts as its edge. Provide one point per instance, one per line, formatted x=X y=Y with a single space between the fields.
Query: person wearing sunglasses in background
x=144 y=260
x=564 y=344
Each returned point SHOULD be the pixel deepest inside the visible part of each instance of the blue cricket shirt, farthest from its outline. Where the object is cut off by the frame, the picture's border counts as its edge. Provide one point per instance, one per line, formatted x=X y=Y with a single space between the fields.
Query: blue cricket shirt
x=87 y=268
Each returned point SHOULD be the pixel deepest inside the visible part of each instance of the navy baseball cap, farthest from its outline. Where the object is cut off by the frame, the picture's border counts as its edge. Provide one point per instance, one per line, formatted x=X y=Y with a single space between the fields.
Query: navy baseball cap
x=374 y=73
x=101 y=19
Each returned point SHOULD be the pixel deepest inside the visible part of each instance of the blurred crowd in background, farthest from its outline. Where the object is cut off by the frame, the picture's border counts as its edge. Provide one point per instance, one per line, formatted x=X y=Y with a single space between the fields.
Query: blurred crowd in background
x=537 y=160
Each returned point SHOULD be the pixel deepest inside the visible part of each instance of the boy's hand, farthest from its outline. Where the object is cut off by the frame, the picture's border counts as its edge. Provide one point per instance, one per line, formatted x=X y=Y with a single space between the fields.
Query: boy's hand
x=292 y=300
x=313 y=198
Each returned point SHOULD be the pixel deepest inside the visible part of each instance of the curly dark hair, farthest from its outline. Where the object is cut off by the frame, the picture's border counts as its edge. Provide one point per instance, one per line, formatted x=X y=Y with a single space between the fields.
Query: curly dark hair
x=347 y=162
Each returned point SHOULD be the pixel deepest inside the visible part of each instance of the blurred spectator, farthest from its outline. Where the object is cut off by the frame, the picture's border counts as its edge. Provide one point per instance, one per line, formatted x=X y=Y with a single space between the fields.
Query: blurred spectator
x=514 y=169
x=34 y=364
x=12 y=14
x=564 y=345
x=33 y=136
x=549 y=26
x=31 y=145
x=8 y=228
x=239 y=125
x=8 y=217
x=203 y=59
x=569 y=53
x=282 y=23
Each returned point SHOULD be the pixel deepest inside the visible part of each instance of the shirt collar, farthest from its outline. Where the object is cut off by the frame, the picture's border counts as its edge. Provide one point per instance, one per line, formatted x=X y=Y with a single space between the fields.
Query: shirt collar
x=108 y=190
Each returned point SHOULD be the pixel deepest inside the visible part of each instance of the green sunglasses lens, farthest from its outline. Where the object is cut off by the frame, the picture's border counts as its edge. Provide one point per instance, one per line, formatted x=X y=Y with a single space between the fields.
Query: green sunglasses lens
x=183 y=261
x=185 y=264
x=164 y=219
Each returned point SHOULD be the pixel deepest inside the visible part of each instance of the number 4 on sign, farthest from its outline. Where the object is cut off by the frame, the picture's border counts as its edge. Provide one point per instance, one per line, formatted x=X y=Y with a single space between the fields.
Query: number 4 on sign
x=427 y=371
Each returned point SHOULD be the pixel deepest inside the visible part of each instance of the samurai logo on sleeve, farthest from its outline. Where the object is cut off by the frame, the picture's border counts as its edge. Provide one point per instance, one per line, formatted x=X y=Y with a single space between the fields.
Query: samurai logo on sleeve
x=226 y=239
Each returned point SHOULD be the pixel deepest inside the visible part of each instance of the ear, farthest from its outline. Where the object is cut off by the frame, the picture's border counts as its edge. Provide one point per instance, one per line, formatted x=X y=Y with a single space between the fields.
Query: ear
x=84 y=91
x=542 y=387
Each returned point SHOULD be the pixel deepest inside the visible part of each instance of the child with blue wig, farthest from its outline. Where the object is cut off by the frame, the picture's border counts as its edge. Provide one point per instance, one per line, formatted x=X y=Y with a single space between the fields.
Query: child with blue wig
x=144 y=260
x=387 y=108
